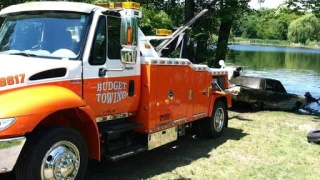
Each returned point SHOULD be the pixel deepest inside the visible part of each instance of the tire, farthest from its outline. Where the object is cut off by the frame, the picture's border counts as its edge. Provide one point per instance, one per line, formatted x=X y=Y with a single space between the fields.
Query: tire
x=296 y=106
x=61 y=147
x=314 y=136
x=214 y=126
x=257 y=106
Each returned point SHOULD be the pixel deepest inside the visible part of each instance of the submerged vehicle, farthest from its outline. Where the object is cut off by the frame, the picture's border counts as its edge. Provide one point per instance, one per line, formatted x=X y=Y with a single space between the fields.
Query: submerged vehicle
x=264 y=93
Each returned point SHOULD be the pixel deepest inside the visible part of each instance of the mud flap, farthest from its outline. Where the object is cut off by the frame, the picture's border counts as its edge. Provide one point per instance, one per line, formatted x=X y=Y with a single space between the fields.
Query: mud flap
x=226 y=124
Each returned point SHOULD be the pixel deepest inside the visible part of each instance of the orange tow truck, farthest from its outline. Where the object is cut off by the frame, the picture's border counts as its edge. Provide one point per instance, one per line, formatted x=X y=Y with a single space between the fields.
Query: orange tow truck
x=80 y=81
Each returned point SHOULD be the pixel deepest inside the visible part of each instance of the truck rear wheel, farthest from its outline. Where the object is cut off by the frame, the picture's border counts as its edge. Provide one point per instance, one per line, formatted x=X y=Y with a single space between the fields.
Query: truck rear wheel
x=53 y=153
x=214 y=126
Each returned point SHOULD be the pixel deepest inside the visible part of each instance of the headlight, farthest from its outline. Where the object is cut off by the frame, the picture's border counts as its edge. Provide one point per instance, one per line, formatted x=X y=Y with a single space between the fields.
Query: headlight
x=6 y=123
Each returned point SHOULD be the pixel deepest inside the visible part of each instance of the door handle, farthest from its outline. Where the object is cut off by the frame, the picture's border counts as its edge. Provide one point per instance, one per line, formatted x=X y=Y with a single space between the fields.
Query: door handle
x=204 y=92
x=129 y=68
x=102 y=71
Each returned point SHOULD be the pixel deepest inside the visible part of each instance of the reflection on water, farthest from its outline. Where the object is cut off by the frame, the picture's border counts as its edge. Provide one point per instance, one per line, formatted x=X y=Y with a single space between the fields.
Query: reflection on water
x=273 y=49
x=297 y=68
x=260 y=59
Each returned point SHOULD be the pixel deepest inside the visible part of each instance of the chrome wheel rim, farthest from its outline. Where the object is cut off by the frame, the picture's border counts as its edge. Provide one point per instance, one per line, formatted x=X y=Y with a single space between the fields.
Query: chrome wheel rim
x=219 y=119
x=61 y=162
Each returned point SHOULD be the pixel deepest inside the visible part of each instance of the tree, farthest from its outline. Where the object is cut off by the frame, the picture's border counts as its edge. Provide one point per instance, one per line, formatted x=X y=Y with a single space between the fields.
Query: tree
x=229 y=11
x=305 y=28
x=305 y=5
x=203 y=29
x=188 y=51
x=284 y=17
x=265 y=24
x=249 y=26
x=154 y=19
x=5 y=3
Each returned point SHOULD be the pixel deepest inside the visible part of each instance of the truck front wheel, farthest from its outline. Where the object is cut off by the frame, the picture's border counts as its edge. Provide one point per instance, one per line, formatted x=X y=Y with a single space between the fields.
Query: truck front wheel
x=214 y=126
x=53 y=153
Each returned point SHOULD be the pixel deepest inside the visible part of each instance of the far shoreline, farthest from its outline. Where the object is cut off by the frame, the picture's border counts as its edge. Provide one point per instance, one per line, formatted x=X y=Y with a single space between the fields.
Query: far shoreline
x=247 y=42
x=278 y=45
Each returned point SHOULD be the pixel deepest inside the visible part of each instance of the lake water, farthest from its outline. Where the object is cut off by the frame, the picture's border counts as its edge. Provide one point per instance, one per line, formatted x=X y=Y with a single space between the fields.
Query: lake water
x=297 y=68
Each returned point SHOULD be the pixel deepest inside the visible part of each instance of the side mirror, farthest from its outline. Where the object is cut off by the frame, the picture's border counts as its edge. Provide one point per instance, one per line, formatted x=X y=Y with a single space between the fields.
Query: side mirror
x=129 y=31
x=128 y=56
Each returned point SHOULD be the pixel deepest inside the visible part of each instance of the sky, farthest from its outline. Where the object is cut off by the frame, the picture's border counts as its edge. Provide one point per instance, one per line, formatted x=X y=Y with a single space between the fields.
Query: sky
x=267 y=4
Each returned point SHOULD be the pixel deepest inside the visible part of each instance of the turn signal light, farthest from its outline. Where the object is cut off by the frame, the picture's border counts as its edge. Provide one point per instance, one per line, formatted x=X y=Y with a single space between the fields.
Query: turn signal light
x=129 y=34
x=6 y=123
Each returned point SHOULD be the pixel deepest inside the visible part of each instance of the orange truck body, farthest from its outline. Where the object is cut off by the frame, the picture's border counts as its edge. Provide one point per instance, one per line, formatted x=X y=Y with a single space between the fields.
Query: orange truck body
x=157 y=112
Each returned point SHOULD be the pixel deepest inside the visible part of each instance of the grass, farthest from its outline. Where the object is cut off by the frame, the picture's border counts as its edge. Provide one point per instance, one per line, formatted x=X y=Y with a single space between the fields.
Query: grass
x=260 y=41
x=6 y=145
x=262 y=145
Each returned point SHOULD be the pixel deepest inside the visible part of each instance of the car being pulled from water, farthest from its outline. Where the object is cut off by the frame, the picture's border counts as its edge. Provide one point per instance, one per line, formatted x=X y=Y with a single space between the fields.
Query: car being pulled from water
x=264 y=93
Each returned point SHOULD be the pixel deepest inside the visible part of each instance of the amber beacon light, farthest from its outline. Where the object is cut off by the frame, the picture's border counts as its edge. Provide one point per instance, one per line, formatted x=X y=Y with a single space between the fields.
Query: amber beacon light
x=120 y=5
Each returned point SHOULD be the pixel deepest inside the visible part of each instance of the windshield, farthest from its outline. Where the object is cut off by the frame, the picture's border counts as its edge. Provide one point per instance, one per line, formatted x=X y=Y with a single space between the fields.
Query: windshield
x=45 y=34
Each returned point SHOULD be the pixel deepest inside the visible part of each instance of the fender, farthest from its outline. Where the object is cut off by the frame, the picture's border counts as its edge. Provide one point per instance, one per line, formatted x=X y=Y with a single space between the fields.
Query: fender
x=217 y=95
x=31 y=105
x=37 y=100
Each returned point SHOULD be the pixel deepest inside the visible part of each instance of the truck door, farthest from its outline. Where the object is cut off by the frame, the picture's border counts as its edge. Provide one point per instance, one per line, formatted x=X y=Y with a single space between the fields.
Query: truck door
x=110 y=86
x=277 y=95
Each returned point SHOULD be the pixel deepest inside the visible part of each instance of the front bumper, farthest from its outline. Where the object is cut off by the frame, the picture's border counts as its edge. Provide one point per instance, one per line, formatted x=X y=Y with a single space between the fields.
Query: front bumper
x=9 y=152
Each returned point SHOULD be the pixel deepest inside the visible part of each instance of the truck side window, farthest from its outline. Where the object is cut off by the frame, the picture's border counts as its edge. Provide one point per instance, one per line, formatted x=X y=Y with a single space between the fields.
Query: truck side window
x=99 y=50
x=214 y=83
x=278 y=87
x=114 y=44
x=269 y=85
x=220 y=81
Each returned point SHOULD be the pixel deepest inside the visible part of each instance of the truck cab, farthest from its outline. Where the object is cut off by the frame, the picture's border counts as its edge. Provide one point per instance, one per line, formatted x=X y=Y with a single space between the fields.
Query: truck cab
x=81 y=81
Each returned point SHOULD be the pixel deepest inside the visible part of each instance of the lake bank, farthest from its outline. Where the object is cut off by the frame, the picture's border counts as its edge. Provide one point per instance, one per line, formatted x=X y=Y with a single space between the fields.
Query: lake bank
x=264 y=42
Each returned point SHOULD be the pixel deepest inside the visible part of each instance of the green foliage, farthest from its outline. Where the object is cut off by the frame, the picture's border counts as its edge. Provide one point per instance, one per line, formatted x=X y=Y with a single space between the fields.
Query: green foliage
x=312 y=43
x=250 y=28
x=265 y=24
x=305 y=28
x=153 y=19
x=231 y=10
x=283 y=21
x=7 y=145
x=279 y=24
x=174 y=11
x=5 y=3
x=305 y=5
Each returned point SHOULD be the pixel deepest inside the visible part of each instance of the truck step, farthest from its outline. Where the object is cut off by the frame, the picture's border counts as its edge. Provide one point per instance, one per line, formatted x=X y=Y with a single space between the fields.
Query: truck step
x=126 y=152
x=117 y=128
